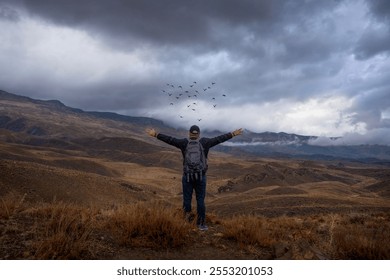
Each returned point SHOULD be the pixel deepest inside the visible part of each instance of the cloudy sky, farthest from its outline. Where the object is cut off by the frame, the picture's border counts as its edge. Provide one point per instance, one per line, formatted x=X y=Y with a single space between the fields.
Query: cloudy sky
x=307 y=67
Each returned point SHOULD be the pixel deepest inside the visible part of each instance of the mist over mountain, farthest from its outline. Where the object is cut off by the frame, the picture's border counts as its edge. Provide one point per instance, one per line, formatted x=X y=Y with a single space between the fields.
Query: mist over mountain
x=38 y=122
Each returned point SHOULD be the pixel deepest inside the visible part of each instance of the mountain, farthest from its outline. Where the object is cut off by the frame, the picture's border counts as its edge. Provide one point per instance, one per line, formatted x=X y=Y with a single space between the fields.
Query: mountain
x=38 y=122
x=93 y=185
x=298 y=146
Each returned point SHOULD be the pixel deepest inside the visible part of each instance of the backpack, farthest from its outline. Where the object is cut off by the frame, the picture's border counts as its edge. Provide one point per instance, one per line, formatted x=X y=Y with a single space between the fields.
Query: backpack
x=195 y=162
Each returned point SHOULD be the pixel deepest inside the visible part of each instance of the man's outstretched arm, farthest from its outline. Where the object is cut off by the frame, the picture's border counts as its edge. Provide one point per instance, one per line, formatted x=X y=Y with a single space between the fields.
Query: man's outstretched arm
x=224 y=137
x=178 y=143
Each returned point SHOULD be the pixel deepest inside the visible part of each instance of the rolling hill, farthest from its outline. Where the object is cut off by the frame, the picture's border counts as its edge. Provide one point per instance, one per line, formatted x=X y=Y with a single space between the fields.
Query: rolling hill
x=100 y=165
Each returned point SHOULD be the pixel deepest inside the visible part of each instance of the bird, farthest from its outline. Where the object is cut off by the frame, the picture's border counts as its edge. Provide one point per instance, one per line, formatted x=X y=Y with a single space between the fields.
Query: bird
x=181 y=117
x=215 y=105
x=170 y=94
x=180 y=87
x=194 y=82
x=193 y=109
x=199 y=120
x=194 y=103
x=224 y=95
x=213 y=98
x=177 y=97
x=171 y=103
x=188 y=106
x=191 y=85
x=186 y=91
x=213 y=83
x=204 y=89
x=195 y=95
x=196 y=91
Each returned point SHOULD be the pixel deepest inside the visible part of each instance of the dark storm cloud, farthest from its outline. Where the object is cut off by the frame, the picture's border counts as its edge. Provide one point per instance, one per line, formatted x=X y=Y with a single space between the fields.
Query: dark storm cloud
x=258 y=51
x=193 y=24
x=376 y=38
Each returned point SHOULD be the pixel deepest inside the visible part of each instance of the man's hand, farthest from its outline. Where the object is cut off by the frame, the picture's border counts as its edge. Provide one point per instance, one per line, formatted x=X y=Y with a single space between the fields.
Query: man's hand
x=151 y=132
x=237 y=132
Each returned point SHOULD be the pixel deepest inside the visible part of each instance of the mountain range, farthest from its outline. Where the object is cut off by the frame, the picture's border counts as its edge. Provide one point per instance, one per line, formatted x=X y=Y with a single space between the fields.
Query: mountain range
x=50 y=122
x=94 y=185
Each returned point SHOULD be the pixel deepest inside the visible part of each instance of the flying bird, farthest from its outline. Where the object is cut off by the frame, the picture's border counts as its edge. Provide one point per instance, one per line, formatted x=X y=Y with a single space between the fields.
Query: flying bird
x=215 y=105
x=171 y=103
x=213 y=83
x=199 y=120
x=224 y=95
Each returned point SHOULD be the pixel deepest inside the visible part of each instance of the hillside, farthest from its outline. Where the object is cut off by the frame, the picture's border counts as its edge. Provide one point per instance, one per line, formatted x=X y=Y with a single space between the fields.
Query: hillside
x=77 y=184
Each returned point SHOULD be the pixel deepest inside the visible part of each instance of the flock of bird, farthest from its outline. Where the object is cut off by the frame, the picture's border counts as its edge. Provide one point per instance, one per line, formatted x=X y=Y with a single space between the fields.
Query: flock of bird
x=190 y=95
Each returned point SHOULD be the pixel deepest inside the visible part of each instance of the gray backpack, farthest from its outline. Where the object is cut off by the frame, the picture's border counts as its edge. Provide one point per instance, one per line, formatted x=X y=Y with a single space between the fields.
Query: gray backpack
x=195 y=162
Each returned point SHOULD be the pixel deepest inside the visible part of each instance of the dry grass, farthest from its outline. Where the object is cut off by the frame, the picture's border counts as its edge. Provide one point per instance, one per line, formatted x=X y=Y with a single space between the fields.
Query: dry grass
x=363 y=237
x=10 y=204
x=341 y=236
x=65 y=231
x=148 y=225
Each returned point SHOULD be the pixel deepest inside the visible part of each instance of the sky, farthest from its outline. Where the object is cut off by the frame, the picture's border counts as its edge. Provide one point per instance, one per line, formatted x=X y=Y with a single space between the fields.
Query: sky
x=317 y=67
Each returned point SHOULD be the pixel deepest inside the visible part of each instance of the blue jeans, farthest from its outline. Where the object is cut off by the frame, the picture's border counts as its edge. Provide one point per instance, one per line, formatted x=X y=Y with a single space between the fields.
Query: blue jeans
x=200 y=192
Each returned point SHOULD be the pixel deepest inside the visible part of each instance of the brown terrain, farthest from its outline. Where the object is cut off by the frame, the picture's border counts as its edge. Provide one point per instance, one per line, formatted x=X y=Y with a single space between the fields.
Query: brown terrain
x=78 y=186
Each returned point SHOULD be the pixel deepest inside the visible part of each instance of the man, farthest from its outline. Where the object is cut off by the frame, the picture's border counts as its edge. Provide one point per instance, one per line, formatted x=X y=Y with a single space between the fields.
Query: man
x=194 y=180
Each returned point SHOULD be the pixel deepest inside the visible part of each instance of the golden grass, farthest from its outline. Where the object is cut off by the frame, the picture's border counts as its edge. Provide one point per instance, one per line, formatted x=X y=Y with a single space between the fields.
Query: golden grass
x=363 y=237
x=65 y=231
x=148 y=225
x=335 y=236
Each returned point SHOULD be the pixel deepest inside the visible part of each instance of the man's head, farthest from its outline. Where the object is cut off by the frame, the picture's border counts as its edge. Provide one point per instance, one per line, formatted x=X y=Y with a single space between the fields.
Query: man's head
x=194 y=132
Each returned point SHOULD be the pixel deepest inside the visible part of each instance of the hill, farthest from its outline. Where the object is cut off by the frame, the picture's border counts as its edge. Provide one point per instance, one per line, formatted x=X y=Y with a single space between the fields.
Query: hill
x=38 y=119
x=90 y=185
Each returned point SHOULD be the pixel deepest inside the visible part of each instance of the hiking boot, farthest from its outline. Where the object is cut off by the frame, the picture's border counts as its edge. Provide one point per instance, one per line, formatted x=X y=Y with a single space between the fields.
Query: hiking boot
x=203 y=227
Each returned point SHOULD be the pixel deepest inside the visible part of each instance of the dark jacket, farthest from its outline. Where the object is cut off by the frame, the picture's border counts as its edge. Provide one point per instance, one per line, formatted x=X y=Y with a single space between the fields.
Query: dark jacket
x=207 y=143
